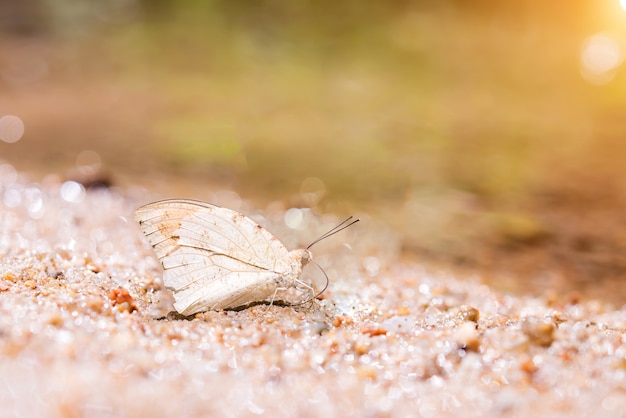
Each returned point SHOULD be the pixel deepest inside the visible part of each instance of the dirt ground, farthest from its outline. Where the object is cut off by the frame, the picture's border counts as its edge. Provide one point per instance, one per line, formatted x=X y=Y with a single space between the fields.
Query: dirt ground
x=86 y=328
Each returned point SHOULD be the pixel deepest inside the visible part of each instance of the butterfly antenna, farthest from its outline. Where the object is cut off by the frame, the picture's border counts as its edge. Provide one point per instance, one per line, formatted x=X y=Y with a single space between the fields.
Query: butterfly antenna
x=327 y=282
x=343 y=225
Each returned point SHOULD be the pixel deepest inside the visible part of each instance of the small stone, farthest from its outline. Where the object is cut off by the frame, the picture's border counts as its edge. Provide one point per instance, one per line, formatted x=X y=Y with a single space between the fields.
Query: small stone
x=366 y=372
x=121 y=297
x=469 y=313
x=361 y=349
x=539 y=331
x=403 y=311
x=467 y=337
x=95 y=304
x=342 y=320
x=374 y=331
x=317 y=328
x=55 y=320
x=620 y=364
x=528 y=366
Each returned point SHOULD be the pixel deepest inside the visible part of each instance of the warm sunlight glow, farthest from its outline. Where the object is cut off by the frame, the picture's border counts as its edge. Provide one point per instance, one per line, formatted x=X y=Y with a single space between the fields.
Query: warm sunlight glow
x=623 y=3
x=600 y=56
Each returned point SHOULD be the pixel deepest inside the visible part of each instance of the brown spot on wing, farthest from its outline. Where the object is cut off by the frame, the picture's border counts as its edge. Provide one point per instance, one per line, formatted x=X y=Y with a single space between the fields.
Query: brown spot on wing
x=167 y=229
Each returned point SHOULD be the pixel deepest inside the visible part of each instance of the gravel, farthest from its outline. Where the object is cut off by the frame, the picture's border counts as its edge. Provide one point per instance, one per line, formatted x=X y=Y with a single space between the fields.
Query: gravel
x=87 y=329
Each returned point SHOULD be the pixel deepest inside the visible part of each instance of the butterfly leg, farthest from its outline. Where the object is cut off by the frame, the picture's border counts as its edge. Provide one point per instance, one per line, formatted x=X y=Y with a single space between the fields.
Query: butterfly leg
x=310 y=288
x=307 y=288
x=278 y=289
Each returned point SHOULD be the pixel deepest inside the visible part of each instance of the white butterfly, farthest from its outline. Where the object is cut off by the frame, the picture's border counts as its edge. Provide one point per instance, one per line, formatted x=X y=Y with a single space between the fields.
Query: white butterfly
x=215 y=258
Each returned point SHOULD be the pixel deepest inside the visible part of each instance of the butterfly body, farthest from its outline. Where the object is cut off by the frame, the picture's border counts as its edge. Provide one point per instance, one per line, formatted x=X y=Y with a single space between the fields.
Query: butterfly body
x=217 y=258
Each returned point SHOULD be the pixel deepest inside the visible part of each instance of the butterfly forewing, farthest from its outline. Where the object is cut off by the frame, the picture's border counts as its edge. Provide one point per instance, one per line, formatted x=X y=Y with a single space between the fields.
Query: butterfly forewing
x=213 y=257
x=172 y=223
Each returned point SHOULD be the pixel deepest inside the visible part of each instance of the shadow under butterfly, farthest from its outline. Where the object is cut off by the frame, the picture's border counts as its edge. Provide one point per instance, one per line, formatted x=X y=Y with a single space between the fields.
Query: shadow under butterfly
x=217 y=258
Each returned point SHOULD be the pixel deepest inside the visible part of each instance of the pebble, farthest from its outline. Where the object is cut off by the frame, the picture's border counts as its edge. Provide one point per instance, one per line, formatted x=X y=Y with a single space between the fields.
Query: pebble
x=539 y=331
x=467 y=337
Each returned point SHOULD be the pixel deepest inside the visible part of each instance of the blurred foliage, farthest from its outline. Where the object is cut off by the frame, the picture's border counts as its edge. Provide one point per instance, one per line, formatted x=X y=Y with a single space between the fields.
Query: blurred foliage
x=441 y=115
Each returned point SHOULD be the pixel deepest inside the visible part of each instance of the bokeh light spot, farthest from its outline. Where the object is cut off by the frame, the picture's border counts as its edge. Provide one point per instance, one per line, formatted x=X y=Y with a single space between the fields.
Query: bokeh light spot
x=372 y=266
x=89 y=159
x=601 y=55
x=312 y=189
x=294 y=218
x=12 y=198
x=11 y=129
x=34 y=202
x=8 y=174
x=72 y=192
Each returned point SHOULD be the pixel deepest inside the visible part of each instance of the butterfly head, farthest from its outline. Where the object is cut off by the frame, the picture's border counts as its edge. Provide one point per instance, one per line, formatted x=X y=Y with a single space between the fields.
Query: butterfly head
x=302 y=257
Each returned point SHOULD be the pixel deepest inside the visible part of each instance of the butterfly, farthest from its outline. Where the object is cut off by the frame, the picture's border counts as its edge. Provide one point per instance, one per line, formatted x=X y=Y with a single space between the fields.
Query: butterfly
x=217 y=258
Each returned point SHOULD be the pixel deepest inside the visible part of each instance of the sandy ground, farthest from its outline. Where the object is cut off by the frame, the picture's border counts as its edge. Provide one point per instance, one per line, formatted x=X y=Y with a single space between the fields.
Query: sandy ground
x=86 y=328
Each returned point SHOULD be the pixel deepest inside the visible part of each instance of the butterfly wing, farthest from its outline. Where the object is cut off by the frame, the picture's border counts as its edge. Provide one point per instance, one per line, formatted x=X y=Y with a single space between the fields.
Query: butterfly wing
x=212 y=257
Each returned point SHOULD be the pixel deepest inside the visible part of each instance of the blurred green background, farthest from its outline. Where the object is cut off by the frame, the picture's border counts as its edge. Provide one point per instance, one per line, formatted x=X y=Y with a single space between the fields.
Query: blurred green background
x=489 y=134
